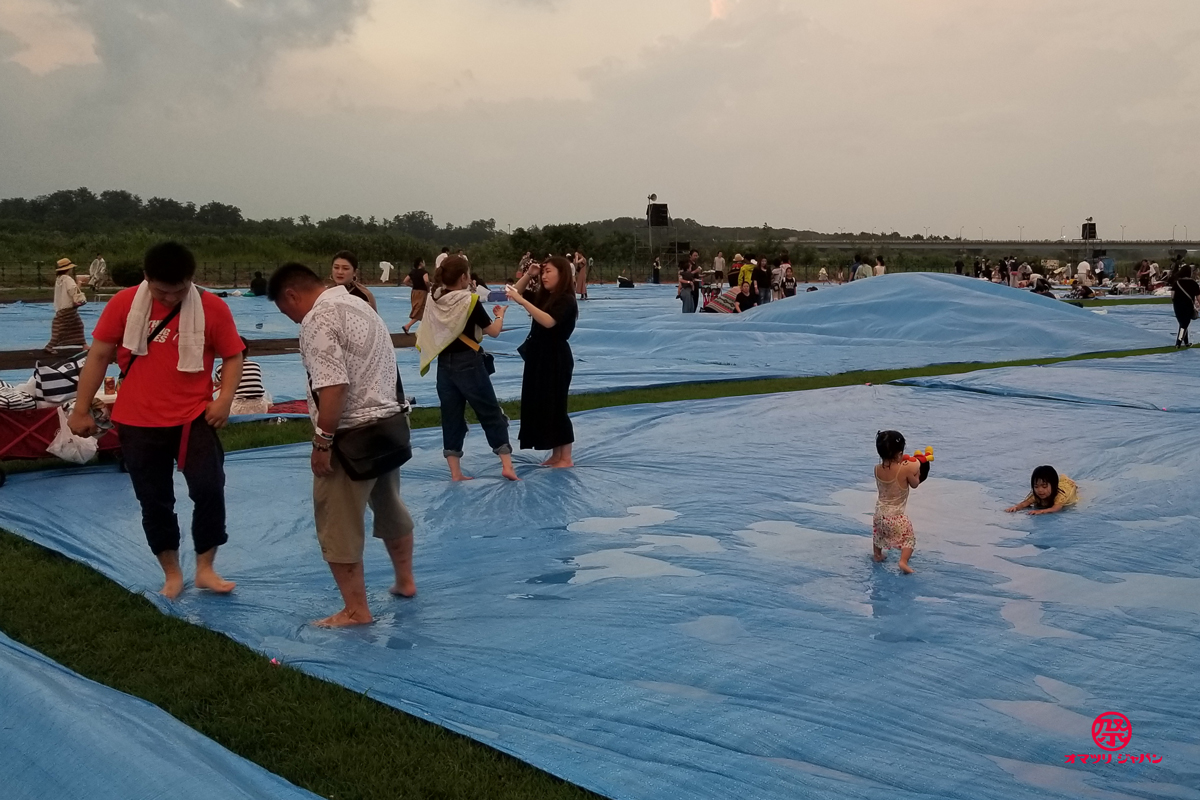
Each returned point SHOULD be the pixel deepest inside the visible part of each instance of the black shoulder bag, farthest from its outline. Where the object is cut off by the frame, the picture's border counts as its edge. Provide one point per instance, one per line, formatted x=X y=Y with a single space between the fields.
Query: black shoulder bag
x=153 y=335
x=376 y=449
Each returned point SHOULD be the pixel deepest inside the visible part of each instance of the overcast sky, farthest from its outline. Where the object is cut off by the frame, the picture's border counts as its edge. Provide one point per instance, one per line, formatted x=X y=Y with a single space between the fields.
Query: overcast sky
x=823 y=114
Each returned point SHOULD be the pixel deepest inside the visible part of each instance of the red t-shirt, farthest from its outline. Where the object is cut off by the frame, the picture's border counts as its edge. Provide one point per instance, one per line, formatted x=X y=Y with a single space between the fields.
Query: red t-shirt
x=155 y=394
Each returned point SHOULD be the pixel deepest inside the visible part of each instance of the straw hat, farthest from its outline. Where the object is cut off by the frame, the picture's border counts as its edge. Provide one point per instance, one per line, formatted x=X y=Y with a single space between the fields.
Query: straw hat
x=64 y=264
x=738 y=257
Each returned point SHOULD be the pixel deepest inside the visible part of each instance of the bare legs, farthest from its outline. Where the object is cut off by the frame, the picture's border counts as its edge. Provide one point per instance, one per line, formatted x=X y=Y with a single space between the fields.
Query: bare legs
x=506 y=468
x=401 y=552
x=560 y=457
x=206 y=577
x=352 y=585
x=905 y=554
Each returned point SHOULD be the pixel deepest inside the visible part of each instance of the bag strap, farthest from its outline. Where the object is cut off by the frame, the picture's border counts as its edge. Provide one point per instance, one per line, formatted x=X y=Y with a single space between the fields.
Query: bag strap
x=153 y=335
x=469 y=342
x=400 y=397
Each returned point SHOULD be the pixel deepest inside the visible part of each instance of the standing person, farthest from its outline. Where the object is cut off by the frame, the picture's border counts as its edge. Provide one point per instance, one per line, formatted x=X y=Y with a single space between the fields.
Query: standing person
x=880 y=266
x=98 y=273
x=165 y=335
x=685 y=287
x=581 y=275
x=344 y=272
x=719 y=268
x=353 y=383
x=442 y=256
x=853 y=271
x=67 y=328
x=545 y=424
x=419 y=279
x=697 y=278
x=958 y=266
x=656 y=272
x=385 y=271
x=454 y=326
x=761 y=278
x=862 y=271
x=895 y=475
x=787 y=284
x=1183 y=300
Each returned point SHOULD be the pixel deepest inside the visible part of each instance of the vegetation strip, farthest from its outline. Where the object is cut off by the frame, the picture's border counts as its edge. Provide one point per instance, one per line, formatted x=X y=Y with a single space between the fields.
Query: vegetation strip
x=318 y=735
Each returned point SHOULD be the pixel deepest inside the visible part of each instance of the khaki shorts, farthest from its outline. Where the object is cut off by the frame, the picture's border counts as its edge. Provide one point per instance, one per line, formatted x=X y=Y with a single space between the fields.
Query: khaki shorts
x=339 y=505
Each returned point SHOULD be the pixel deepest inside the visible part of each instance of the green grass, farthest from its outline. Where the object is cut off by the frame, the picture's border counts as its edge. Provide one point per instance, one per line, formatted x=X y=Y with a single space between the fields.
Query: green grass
x=316 y=734
x=1124 y=301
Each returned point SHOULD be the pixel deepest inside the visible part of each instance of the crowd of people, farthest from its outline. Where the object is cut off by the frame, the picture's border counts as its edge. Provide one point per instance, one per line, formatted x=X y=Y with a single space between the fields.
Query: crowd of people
x=166 y=336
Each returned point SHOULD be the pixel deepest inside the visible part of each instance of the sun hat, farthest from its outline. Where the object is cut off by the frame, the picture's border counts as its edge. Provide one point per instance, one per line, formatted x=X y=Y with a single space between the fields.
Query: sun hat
x=738 y=257
x=64 y=264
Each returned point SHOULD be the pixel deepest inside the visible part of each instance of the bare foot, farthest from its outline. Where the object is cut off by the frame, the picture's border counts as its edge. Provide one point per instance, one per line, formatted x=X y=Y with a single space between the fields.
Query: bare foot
x=210 y=580
x=905 y=568
x=879 y=556
x=344 y=619
x=510 y=473
x=549 y=462
x=173 y=586
x=564 y=463
x=460 y=477
x=404 y=587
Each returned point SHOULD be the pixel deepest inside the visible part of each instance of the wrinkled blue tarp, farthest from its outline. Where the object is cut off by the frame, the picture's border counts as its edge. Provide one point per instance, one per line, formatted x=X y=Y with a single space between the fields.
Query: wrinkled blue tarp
x=636 y=337
x=693 y=611
x=65 y=737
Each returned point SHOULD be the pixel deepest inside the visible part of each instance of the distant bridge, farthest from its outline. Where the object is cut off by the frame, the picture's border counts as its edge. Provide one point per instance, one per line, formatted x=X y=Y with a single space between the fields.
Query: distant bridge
x=1040 y=246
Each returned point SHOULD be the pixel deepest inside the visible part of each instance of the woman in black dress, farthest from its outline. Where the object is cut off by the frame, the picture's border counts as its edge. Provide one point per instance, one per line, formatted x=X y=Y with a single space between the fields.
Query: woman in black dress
x=1184 y=301
x=548 y=360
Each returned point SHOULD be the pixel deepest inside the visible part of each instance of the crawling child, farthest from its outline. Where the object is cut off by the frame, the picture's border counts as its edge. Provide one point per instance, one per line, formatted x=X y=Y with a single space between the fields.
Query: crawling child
x=1050 y=493
x=895 y=475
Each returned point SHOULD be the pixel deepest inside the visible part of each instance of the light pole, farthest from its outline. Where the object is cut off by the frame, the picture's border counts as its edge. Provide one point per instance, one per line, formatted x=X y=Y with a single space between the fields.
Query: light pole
x=926 y=231
x=981 y=233
x=1020 y=233
x=1122 y=233
x=1062 y=231
x=960 y=230
x=1173 y=227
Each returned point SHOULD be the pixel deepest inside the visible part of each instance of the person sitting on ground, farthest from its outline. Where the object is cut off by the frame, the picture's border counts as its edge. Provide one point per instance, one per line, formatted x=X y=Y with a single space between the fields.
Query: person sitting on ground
x=1050 y=492
x=1081 y=291
x=344 y=272
x=788 y=282
x=251 y=396
x=746 y=299
x=894 y=477
x=1042 y=286
x=258 y=285
x=455 y=323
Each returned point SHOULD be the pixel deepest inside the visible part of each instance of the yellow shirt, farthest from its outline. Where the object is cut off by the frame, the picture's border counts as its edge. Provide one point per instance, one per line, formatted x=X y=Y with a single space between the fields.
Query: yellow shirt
x=745 y=273
x=1068 y=493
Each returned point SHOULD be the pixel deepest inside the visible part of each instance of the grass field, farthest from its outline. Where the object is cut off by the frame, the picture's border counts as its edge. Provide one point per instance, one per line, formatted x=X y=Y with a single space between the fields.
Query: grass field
x=321 y=736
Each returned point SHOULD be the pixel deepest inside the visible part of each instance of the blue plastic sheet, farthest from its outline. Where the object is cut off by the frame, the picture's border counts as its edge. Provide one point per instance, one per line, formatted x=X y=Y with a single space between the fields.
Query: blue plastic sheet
x=1166 y=382
x=64 y=737
x=693 y=611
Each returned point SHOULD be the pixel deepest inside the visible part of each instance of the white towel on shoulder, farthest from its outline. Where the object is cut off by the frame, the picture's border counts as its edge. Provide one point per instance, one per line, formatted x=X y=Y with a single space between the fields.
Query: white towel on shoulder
x=190 y=323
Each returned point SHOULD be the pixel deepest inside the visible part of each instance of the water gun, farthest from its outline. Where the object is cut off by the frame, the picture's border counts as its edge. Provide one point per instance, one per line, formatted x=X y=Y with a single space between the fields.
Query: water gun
x=924 y=458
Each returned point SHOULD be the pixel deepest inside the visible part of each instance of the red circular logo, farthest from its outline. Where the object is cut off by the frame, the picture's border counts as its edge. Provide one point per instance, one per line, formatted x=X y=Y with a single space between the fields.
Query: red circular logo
x=1111 y=730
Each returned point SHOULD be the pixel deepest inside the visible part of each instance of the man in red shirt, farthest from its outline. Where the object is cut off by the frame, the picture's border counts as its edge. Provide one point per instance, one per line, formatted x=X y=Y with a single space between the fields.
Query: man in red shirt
x=165 y=336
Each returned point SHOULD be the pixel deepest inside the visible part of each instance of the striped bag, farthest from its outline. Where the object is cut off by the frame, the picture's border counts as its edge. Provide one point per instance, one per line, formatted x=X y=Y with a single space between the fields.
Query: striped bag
x=55 y=384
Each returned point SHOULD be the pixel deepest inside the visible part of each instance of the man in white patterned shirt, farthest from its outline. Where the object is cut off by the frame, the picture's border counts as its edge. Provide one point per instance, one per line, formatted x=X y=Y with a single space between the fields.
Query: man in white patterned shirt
x=351 y=364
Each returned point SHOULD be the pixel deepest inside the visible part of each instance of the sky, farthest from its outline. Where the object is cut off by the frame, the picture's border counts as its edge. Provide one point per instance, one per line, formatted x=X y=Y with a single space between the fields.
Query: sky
x=996 y=119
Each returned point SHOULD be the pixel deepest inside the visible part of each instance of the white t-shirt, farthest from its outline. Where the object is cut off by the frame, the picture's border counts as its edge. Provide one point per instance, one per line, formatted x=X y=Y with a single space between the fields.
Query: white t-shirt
x=719 y=264
x=343 y=341
x=437 y=262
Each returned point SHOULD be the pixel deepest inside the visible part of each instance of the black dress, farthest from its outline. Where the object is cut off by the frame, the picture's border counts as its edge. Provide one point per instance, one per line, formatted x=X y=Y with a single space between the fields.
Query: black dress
x=547 y=379
x=1184 y=300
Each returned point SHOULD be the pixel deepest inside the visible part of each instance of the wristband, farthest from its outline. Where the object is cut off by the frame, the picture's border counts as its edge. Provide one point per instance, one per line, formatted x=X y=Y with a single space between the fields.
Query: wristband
x=322 y=434
x=322 y=447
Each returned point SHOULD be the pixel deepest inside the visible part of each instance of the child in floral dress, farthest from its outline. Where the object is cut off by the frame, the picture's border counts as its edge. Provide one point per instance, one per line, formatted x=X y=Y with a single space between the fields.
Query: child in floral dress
x=895 y=475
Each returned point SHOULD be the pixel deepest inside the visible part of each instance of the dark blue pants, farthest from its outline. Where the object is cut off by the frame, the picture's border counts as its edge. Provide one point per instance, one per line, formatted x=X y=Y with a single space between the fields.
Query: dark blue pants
x=461 y=379
x=149 y=455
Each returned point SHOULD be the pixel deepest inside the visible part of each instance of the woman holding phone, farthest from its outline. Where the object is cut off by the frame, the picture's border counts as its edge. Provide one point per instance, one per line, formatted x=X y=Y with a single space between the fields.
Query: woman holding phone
x=549 y=362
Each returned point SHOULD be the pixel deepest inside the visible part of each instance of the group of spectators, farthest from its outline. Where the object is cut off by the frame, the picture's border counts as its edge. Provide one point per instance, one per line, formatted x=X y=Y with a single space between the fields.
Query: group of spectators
x=755 y=280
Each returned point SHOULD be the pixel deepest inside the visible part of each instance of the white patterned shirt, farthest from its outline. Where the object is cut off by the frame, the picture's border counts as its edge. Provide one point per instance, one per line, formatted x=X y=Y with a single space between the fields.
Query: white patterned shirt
x=343 y=341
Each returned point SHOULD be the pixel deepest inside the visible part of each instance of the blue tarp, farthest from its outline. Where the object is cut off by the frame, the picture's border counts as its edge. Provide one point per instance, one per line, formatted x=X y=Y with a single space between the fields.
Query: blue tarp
x=1166 y=382
x=65 y=737
x=693 y=611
